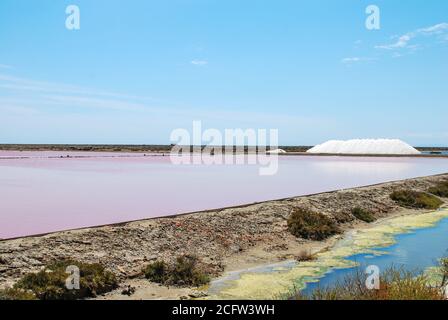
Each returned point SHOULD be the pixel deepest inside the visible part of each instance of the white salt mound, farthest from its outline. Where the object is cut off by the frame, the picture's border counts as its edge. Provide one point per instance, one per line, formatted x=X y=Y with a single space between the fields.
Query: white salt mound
x=276 y=151
x=365 y=146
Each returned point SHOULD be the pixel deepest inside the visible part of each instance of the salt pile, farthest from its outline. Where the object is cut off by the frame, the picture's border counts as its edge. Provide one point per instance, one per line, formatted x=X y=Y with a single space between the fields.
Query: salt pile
x=276 y=151
x=365 y=146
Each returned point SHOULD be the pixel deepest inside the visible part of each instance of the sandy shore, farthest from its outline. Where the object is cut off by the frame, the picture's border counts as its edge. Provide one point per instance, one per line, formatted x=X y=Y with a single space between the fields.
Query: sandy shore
x=224 y=240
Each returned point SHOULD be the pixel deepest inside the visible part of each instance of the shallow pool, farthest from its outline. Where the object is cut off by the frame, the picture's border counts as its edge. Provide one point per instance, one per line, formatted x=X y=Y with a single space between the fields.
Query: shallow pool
x=415 y=251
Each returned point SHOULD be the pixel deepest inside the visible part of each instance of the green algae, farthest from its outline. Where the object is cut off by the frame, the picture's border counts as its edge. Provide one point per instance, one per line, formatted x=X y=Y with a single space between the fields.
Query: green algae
x=434 y=275
x=280 y=281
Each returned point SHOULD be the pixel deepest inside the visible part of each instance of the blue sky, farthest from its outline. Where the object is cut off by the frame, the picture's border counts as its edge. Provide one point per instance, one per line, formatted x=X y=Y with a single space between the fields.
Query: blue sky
x=138 y=69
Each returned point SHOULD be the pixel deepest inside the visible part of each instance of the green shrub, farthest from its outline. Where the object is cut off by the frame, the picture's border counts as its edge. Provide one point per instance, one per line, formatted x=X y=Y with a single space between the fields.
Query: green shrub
x=414 y=199
x=395 y=284
x=363 y=215
x=443 y=266
x=156 y=271
x=16 y=294
x=305 y=255
x=50 y=283
x=306 y=224
x=440 y=189
x=184 y=272
x=342 y=217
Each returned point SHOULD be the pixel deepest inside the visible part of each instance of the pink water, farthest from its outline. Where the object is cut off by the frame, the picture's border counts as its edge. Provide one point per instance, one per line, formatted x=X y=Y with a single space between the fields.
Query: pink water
x=41 y=194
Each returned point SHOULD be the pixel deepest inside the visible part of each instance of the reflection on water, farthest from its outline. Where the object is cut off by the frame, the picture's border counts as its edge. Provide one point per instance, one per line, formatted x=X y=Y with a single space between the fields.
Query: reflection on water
x=48 y=194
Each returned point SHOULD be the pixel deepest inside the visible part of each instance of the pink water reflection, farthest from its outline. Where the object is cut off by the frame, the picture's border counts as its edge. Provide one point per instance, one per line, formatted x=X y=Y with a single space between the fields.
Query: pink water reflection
x=64 y=154
x=47 y=194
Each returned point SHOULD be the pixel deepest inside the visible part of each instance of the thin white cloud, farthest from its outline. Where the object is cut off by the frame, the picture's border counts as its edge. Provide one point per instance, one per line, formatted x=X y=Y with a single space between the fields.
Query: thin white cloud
x=406 y=41
x=29 y=93
x=5 y=66
x=402 y=42
x=435 y=29
x=199 y=62
x=62 y=103
x=351 y=60
x=22 y=84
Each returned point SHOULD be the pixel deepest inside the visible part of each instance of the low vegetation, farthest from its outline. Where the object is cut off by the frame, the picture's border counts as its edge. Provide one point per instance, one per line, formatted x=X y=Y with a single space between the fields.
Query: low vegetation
x=119 y=148
x=311 y=225
x=16 y=294
x=363 y=215
x=415 y=199
x=443 y=269
x=305 y=255
x=395 y=284
x=342 y=217
x=184 y=272
x=50 y=283
x=85 y=147
x=157 y=272
x=440 y=189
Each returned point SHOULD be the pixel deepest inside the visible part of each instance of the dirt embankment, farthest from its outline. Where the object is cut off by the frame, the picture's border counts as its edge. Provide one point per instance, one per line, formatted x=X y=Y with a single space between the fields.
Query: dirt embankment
x=216 y=237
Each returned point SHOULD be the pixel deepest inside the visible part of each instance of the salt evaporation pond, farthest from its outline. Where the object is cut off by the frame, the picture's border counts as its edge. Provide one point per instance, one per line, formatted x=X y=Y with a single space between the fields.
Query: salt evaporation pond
x=45 y=193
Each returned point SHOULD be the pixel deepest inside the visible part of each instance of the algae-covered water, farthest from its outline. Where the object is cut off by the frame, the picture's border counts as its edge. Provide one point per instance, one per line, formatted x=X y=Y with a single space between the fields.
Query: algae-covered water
x=414 y=242
x=415 y=251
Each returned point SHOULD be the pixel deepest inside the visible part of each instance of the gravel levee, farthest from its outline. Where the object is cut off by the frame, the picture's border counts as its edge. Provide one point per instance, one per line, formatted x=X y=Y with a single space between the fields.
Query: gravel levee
x=211 y=235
